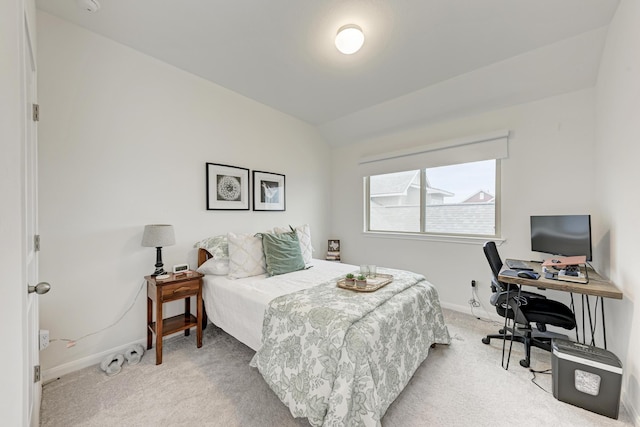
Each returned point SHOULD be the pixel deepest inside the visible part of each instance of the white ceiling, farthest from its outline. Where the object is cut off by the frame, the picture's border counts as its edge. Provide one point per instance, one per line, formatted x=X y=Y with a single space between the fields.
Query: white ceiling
x=423 y=60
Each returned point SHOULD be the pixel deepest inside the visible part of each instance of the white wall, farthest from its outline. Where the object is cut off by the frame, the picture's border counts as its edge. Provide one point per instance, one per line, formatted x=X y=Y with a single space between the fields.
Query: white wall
x=618 y=175
x=123 y=142
x=549 y=171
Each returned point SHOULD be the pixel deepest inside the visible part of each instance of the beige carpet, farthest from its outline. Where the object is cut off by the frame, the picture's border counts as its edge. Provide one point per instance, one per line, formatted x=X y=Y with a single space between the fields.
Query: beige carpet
x=458 y=385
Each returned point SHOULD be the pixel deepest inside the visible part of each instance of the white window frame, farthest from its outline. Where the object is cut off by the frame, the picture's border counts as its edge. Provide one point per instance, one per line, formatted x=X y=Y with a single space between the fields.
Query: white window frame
x=430 y=234
x=492 y=146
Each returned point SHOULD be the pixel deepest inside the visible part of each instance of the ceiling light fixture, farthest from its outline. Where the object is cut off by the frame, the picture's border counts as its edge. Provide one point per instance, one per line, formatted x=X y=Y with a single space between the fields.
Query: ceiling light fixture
x=90 y=6
x=349 y=39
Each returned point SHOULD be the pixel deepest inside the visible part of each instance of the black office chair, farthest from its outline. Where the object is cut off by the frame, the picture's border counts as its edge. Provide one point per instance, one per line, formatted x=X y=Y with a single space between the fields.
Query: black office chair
x=524 y=309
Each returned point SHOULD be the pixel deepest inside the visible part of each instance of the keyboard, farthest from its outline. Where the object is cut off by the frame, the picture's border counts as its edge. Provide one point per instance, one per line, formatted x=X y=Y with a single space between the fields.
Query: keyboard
x=516 y=264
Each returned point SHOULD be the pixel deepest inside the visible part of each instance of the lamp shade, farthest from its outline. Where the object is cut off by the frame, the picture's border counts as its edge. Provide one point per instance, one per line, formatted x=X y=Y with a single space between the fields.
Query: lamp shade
x=158 y=236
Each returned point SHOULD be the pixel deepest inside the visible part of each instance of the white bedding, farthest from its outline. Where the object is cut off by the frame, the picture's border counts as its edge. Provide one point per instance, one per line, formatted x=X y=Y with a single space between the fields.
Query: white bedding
x=237 y=306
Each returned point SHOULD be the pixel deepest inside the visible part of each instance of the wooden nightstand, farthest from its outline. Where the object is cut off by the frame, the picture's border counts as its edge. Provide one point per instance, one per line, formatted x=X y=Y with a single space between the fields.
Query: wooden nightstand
x=175 y=287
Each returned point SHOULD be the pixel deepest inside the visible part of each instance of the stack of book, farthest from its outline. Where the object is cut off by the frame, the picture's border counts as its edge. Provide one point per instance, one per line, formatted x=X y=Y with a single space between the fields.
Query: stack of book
x=333 y=255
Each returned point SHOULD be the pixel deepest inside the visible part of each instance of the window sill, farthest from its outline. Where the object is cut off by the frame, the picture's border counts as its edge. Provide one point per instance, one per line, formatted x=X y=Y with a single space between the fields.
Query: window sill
x=467 y=240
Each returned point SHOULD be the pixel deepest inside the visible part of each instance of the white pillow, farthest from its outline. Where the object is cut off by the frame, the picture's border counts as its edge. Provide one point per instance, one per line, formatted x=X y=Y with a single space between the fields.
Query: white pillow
x=218 y=267
x=217 y=246
x=246 y=256
x=304 y=236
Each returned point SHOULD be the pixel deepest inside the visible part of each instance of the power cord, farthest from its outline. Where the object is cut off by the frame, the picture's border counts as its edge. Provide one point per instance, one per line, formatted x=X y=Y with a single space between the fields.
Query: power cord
x=474 y=302
x=533 y=379
x=72 y=342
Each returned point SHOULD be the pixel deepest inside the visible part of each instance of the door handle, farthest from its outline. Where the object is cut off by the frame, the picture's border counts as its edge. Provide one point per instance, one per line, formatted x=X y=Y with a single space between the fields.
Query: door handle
x=40 y=288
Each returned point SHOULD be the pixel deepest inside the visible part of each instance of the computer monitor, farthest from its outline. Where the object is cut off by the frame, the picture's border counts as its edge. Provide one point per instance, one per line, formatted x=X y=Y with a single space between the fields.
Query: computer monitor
x=566 y=235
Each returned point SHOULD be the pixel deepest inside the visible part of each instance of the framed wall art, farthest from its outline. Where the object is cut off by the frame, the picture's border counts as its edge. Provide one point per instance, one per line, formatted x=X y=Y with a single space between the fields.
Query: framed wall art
x=334 y=245
x=227 y=187
x=268 y=191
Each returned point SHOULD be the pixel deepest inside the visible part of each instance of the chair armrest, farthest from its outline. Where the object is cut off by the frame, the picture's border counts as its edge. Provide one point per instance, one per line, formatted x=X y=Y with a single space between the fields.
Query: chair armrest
x=532 y=295
x=499 y=299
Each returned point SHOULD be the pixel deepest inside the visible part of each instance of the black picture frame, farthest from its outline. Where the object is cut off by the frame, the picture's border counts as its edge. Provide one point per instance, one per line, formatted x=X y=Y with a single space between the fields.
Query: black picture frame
x=269 y=191
x=333 y=245
x=227 y=187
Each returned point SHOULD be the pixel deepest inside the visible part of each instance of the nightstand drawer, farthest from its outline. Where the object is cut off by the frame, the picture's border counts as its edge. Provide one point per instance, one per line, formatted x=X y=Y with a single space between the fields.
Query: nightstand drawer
x=180 y=290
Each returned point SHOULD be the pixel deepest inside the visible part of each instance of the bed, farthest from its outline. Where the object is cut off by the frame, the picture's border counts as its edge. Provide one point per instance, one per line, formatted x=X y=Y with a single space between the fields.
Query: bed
x=334 y=356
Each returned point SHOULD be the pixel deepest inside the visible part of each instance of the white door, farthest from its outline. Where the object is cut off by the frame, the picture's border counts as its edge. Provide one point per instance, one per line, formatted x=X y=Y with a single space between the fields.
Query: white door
x=30 y=209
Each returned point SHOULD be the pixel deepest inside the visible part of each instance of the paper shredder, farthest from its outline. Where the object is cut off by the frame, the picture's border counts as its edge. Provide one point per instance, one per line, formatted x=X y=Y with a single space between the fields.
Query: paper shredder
x=586 y=376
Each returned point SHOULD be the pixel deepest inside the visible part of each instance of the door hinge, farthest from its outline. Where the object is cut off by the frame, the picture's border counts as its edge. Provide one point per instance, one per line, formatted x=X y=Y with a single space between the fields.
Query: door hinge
x=36 y=112
x=36 y=242
x=36 y=373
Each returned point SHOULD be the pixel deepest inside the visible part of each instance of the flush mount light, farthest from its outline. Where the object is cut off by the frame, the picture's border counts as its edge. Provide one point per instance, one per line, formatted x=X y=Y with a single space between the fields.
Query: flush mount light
x=349 y=39
x=90 y=6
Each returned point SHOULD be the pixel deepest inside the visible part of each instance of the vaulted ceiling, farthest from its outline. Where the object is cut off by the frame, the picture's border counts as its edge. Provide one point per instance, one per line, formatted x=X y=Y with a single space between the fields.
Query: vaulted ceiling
x=422 y=60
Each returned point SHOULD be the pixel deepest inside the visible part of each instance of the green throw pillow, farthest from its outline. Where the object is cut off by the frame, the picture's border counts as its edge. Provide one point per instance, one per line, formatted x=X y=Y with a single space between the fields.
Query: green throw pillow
x=282 y=253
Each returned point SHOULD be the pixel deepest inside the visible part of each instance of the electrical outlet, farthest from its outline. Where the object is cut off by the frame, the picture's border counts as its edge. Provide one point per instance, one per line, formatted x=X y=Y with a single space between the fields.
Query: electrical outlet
x=44 y=339
x=473 y=283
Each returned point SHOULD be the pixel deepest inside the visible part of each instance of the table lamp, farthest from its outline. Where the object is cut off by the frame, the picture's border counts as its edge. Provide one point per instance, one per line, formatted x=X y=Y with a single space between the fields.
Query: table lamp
x=157 y=236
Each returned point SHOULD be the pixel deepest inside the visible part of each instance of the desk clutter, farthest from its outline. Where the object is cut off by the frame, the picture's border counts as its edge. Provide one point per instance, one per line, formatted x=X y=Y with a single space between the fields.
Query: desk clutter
x=525 y=274
x=568 y=269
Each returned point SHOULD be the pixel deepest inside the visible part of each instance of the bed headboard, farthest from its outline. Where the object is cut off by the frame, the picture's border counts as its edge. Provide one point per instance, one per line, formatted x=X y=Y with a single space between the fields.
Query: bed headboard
x=203 y=256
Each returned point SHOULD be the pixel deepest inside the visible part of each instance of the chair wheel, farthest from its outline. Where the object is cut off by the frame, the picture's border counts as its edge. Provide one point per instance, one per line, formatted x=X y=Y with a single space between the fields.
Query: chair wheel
x=524 y=363
x=501 y=331
x=486 y=340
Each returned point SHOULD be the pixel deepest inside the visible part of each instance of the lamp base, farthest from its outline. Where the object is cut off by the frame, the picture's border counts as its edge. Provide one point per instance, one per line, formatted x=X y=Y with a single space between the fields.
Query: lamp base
x=158 y=272
x=159 y=264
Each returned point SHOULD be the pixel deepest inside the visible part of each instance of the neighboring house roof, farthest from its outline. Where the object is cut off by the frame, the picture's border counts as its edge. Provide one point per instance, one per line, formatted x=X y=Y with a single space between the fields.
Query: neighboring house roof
x=397 y=184
x=445 y=193
x=479 y=197
x=393 y=184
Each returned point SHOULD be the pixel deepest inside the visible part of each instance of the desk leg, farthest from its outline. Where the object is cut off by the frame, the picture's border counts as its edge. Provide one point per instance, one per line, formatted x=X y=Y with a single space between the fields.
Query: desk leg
x=584 y=328
x=513 y=328
x=593 y=320
x=573 y=310
x=591 y=328
x=604 y=328
x=187 y=313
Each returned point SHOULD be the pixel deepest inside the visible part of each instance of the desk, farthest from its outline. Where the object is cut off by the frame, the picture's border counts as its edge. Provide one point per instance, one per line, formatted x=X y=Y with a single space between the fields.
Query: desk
x=597 y=287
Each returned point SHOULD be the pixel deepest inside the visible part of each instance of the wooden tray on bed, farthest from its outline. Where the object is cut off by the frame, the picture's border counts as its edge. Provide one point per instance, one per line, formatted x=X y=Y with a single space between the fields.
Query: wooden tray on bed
x=373 y=284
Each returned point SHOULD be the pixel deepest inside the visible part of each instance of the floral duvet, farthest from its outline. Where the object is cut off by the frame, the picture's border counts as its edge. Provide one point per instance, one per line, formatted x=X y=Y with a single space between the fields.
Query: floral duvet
x=340 y=357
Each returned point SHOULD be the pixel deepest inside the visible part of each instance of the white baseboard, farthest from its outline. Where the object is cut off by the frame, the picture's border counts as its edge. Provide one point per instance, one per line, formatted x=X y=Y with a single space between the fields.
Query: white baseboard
x=631 y=410
x=94 y=359
x=479 y=312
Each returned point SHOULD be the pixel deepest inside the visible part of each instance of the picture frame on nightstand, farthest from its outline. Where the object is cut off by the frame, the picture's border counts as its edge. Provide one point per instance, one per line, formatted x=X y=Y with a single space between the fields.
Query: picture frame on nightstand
x=333 y=250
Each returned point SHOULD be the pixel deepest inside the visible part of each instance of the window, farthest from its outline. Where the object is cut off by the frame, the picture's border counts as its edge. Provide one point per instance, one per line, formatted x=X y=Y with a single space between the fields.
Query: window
x=456 y=199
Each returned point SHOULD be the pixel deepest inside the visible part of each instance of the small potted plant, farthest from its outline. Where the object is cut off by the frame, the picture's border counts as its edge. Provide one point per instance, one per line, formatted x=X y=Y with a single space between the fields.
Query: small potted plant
x=361 y=281
x=350 y=279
